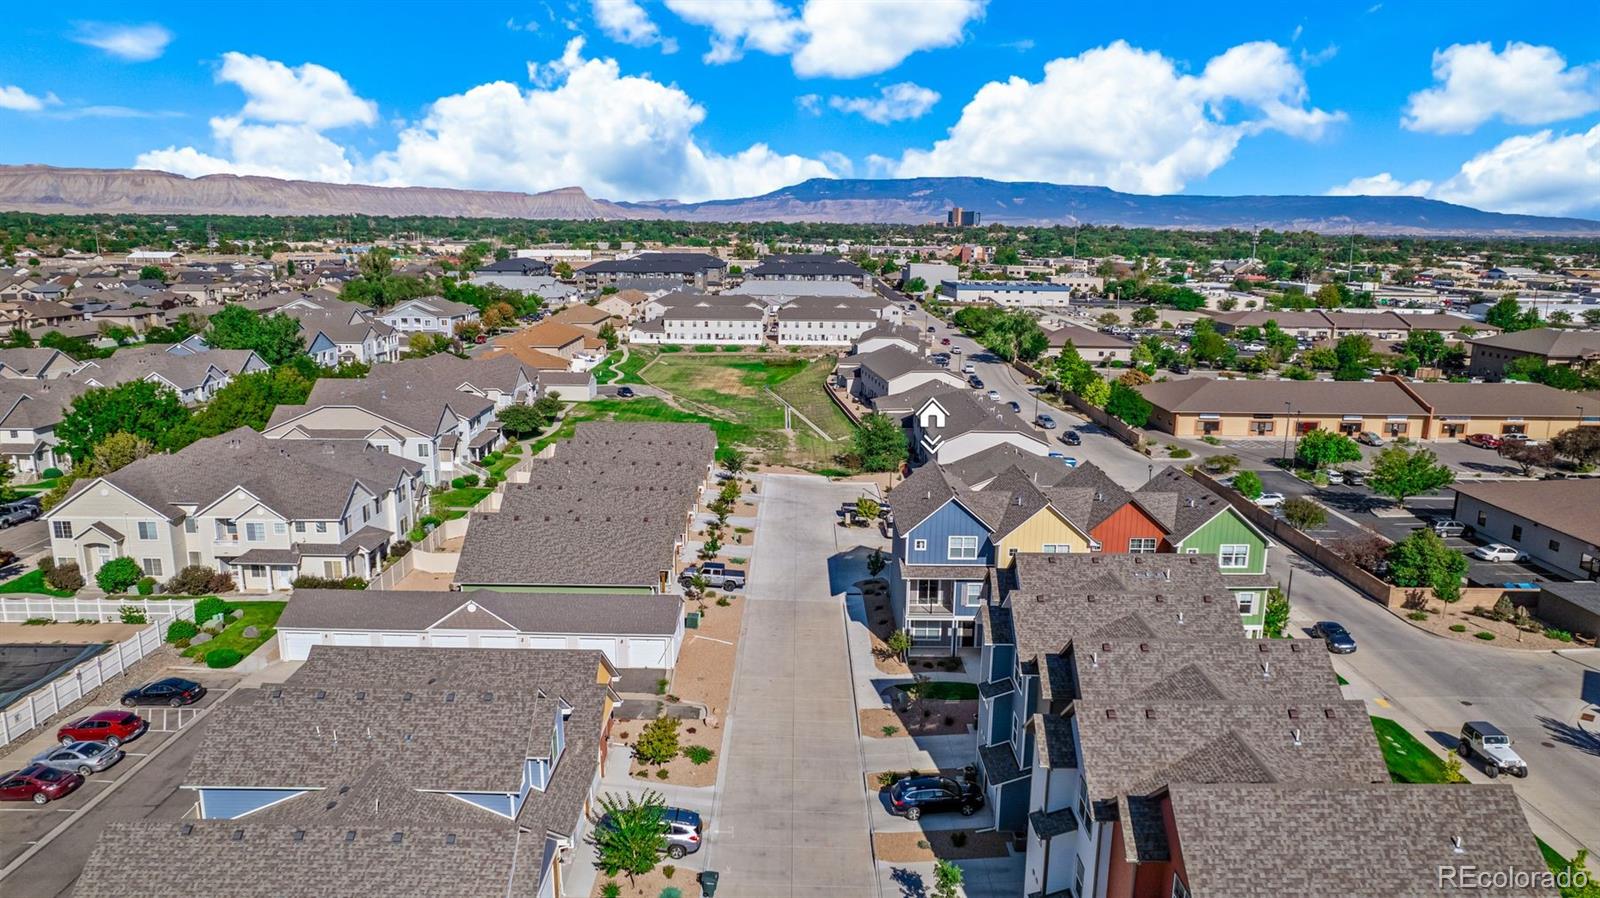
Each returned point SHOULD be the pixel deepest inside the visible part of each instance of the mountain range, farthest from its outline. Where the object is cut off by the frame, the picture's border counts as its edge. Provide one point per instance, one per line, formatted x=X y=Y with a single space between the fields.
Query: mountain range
x=38 y=188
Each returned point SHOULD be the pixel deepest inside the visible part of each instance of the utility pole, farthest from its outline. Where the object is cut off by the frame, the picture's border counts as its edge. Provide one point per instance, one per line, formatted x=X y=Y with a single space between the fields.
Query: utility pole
x=1288 y=424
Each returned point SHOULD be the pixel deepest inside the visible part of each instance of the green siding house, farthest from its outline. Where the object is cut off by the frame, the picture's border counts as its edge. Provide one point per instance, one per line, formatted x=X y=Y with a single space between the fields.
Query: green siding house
x=1199 y=522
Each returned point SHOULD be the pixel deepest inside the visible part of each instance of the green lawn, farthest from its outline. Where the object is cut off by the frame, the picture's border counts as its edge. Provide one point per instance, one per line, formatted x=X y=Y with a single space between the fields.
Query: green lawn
x=1409 y=761
x=33 y=582
x=37 y=487
x=950 y=691
x=604 y=373
x=1557 y=864
x=263 y=615
x=451 y=504
x=507 y=460
x=807 y=391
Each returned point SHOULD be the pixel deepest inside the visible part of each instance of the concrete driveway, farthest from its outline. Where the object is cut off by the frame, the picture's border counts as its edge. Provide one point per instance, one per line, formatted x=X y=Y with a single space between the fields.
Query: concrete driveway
x=791 y=815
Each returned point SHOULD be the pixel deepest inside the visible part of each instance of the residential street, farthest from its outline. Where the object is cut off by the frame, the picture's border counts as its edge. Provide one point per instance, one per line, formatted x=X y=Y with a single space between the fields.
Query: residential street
x=791 y=815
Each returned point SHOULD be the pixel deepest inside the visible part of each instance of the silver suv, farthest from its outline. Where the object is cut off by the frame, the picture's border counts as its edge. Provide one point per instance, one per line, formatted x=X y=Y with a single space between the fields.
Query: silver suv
x=1490 y=743
x=683 y=832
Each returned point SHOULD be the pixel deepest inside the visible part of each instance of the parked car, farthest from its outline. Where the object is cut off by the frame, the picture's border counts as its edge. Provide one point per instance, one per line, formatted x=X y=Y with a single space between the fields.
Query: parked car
x=1071 y=438
x=1334 y=477
x=1270 y=500
x=1519 y=438
x=174 y=691
x=683 y=832
x=955 y=350
x=716 y=574
x=18 y=513
x=1339 y=640
x=976 y=382
x=931 y=328
x=82 y=758
x=1490 y=743
x=1178 y=368
x=1354 y=478
x=1371 y=439
x=917 y=795
x=38 y=784
x=969 y=369
x=1450 y=528
x=993 y=395
x=110 y=727
x=1045 y=421
x=1483 y=440
x=624 y=392
x=1499 y=552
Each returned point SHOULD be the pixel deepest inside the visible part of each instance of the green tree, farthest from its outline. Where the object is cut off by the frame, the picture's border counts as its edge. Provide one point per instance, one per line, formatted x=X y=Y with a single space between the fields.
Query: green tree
x=1096 y=392
x=608 y=333
x=1304 y=514
x=1353 y=353
x=118 y=575
x=1527 y=455
x=629 y=834
x=915 y=286
x=378 y=285
x=1207 y=345
x=1423 y=559
x=898 y=643
x=1320 y=448
x=138 y=407
x=19 y=339
x=563 y=269
x=276 y=338
x=867 y=507
x=247 y=401
x=735 y=462
x=1007 y=255
x=1128 y=404
x=152 y=273
x=521 y=421
x=1277 y=616
x=1248 y=485
x=1428 y=346
x=1144 y=316
x=1401 y=473
x=880 y=443
x=658 y=741
x=1507 y=314
x=947 y=879
x=8 y=493
x=1581 y=444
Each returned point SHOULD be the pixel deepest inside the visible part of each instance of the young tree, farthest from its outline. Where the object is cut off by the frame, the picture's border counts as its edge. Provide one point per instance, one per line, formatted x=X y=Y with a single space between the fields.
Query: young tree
x=915 y=286
x=1096 y=391
x=1354 y=355
x=1304 y=514
x=867 y=508
x=1507 y=315
x=898 y=643
x=1400 y=473
x=1321 y=448
x=876 y=563
x=658 y=741
x=247 y=401
x=735 y=462
x=1128 y=404
x=1423 y=559
x=629 y=834
x=1277 y=616
x=1144 y=316
x=947 y=879
x=153 y=273
x=521 y=421
x=881 y=443
x=608 y=333
x=139 y=407
x=1527 y=456
x=1581 y=444
x=1248 y=485
x=1428 y=346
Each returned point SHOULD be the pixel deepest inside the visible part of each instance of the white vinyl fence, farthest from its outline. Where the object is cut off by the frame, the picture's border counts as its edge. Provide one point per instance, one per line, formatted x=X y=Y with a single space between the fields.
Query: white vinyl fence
x=46 y=701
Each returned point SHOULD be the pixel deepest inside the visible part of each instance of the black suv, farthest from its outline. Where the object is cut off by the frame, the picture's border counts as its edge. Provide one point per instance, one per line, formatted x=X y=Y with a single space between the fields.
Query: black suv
x=913 y=796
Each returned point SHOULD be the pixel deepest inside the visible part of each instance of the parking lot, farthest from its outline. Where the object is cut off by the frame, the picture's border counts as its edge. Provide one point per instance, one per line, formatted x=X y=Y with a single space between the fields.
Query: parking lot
x=42 y=848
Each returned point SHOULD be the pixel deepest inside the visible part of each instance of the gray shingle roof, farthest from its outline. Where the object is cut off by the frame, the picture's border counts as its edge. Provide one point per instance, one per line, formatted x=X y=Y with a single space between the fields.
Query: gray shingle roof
x=657 y=263
x=422 y=397
x=1232 y=669
x=891 y=362
x=409 y=611
x=1179 y=503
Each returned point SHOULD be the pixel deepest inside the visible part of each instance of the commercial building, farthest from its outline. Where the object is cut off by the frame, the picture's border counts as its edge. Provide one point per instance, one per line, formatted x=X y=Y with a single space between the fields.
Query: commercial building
x=1552 y=346
x=695 y=270
x=1554 y=521
x=1007 y=293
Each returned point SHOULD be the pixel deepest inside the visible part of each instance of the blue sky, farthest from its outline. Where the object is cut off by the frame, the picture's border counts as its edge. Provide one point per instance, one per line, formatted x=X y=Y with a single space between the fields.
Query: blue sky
x=1494 y=105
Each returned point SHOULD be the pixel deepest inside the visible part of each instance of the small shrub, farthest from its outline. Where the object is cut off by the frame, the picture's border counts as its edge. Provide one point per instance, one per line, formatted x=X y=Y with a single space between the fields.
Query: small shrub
x=51 y=473
x=698 y=754
x=889 y=778
x=658 y=741
x=1484 y=635
x=210 y=607
x=923 y=844
x=223 y=657
x=611 y=890
x=306 y=581
x=133 y=614
x=221 y=583
x=1458 y=628
x=429 y=521
x=181 y=630
x=662 y=774
x=890 y=730
x=1558 y=635
x=668 y=870
x=958 y=839
x=470 y=479
x=1418 y=615
x=118 y=574
x=38 y=622
x=724 y=601
x=1180 y=452
x=671 y=892
x=460 y=483
x=1211 y=440
x=661 y=686
x=194 y=580
x=47 y=564
x=400 y=548
x=145 y=586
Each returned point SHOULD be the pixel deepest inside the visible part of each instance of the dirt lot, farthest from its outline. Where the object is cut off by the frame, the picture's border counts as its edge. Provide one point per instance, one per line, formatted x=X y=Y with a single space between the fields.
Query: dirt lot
x=680 y=770
x=1506 y=634
x=651 y=884
x=67 y=633
x=880 y=624
x=935 y=718
x=907 y=848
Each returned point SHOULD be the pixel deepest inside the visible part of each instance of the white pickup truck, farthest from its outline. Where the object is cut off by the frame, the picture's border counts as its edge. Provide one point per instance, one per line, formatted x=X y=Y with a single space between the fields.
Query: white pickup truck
x=717 y=575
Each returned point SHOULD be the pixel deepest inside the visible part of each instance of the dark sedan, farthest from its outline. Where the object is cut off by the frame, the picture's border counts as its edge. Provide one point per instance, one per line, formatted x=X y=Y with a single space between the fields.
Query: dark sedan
x=916 y=795
x=1071 y=438
x=1339 y=640
x=174 y=691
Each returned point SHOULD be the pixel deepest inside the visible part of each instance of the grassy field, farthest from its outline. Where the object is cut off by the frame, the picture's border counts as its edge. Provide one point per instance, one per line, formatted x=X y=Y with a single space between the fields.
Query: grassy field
x=33 y=582
x=603 y=372
x=807 y=391
x=261 y=615
x=452 y=504
x=728 y=392
x=1409 y=761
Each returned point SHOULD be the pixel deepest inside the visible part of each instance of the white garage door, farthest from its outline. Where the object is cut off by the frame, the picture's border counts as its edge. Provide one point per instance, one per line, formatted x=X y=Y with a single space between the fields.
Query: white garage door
x=401 y=640
x=351 y=638
x=609 y=646
x=447 y=641
x=500 y=642
x=547 y=642
x=647 y=653
x=296 y=646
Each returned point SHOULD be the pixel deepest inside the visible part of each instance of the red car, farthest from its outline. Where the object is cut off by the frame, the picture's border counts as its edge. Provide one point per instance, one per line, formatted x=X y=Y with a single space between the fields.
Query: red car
x=945 y=342
x=1484 y=441
x=38 y=784
x=111 y=727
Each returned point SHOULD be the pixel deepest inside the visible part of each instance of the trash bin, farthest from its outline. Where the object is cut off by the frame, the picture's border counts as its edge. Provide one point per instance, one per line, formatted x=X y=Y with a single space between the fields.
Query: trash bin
x=708 y=883
x=691 y=621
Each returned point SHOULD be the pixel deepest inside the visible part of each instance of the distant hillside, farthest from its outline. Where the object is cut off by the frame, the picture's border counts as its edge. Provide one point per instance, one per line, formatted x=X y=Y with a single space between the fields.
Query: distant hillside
x=1037 y=203
x=37 y=188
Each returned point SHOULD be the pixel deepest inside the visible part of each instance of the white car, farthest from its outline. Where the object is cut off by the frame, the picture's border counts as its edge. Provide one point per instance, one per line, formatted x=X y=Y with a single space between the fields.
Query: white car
x=994 y=395
x=1270 y=500
x=1499 y=552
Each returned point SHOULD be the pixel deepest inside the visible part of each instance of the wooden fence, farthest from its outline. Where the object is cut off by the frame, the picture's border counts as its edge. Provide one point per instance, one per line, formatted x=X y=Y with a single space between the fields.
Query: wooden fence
x=40 y=705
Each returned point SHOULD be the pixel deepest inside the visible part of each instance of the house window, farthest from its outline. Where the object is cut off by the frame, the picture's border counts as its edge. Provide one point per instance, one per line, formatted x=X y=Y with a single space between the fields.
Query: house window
x=255 y=531
x=1516 y=533
x=1247 y=602
x=1483 y=518
x=927 y=591
x=919 y=545
x=191 y=525
x=1179 y=890
x=423 y=449
x=333 y=568
x=1056 y=549
x=926 y=632
x=972 y=595
x=1077 y=879
x=256 y=570
x=280 y=528
x=322 y=526
x=1142 y=545
x=963 y=548
x=1083 y=803
x=194 y=559
x=147 y=530
x=61 y=529
x=1234 y=556
x=150 y=566
x=1555 y=545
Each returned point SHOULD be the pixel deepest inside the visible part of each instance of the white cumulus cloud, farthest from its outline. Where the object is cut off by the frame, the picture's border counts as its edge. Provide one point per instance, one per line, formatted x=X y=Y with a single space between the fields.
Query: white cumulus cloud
x=895 y=103
x=1125 y=118
x=134 y=43
x=625 y=21
x=308 y=94
x=19 y=100
x=1523 y=84
x=1542 y=174
x=586 y=123
x=1382 y=184
x=830 y=38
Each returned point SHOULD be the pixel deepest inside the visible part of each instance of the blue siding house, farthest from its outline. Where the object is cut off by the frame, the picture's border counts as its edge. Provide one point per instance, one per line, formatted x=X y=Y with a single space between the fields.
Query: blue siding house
x=942 y=555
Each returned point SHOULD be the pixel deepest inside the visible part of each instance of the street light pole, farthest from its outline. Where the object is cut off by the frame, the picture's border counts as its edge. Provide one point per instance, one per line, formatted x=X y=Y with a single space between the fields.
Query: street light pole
x=1286 y=425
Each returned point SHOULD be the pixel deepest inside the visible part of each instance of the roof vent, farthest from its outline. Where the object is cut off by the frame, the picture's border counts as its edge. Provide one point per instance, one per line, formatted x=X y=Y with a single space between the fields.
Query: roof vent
x=321 y=694
x=449 y=838
x=406 y=697
x=1099 y=496
x=449 y=697
x=1180 y=618
x=238 y=835
x=1263 y=647
x=1266 y=670
x=397 y=838
x=1149 y=713
x=1295 y=735
x=487 y=697
x=1294 y=713
x=1456 y=846
x=299 y=835
x=343 y=789
x=1111 y=714
x=1039 y=598
x=349 y=835
x=1105 y=646
x=1144 y=647
x=186 y=829
x=1295 y=647
x=1191 y=503
x=330 y=805
x=361 y=695
x=1094 y=659
x=1160 y=599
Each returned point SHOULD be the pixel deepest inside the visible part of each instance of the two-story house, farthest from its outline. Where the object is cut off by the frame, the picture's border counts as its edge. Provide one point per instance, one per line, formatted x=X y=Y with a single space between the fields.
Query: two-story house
x=265 y=510
x=447 y=772
x=825 y=320
x=428 y=315
x=29 y=414
x=36 y=363
x=337 y=336
x=195 y=377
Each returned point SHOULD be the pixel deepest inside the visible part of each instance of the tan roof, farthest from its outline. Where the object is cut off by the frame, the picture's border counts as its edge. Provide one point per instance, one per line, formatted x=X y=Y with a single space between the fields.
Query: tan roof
x=581 y=315
x=529 y=356
x=1247 y=397
x=545 y=335
x=1566 y=506
x=1504 y=400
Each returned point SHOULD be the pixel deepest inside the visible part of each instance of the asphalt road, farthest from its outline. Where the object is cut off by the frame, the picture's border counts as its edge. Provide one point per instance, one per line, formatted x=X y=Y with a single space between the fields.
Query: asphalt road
x=1428 y=683
x=25 y=539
